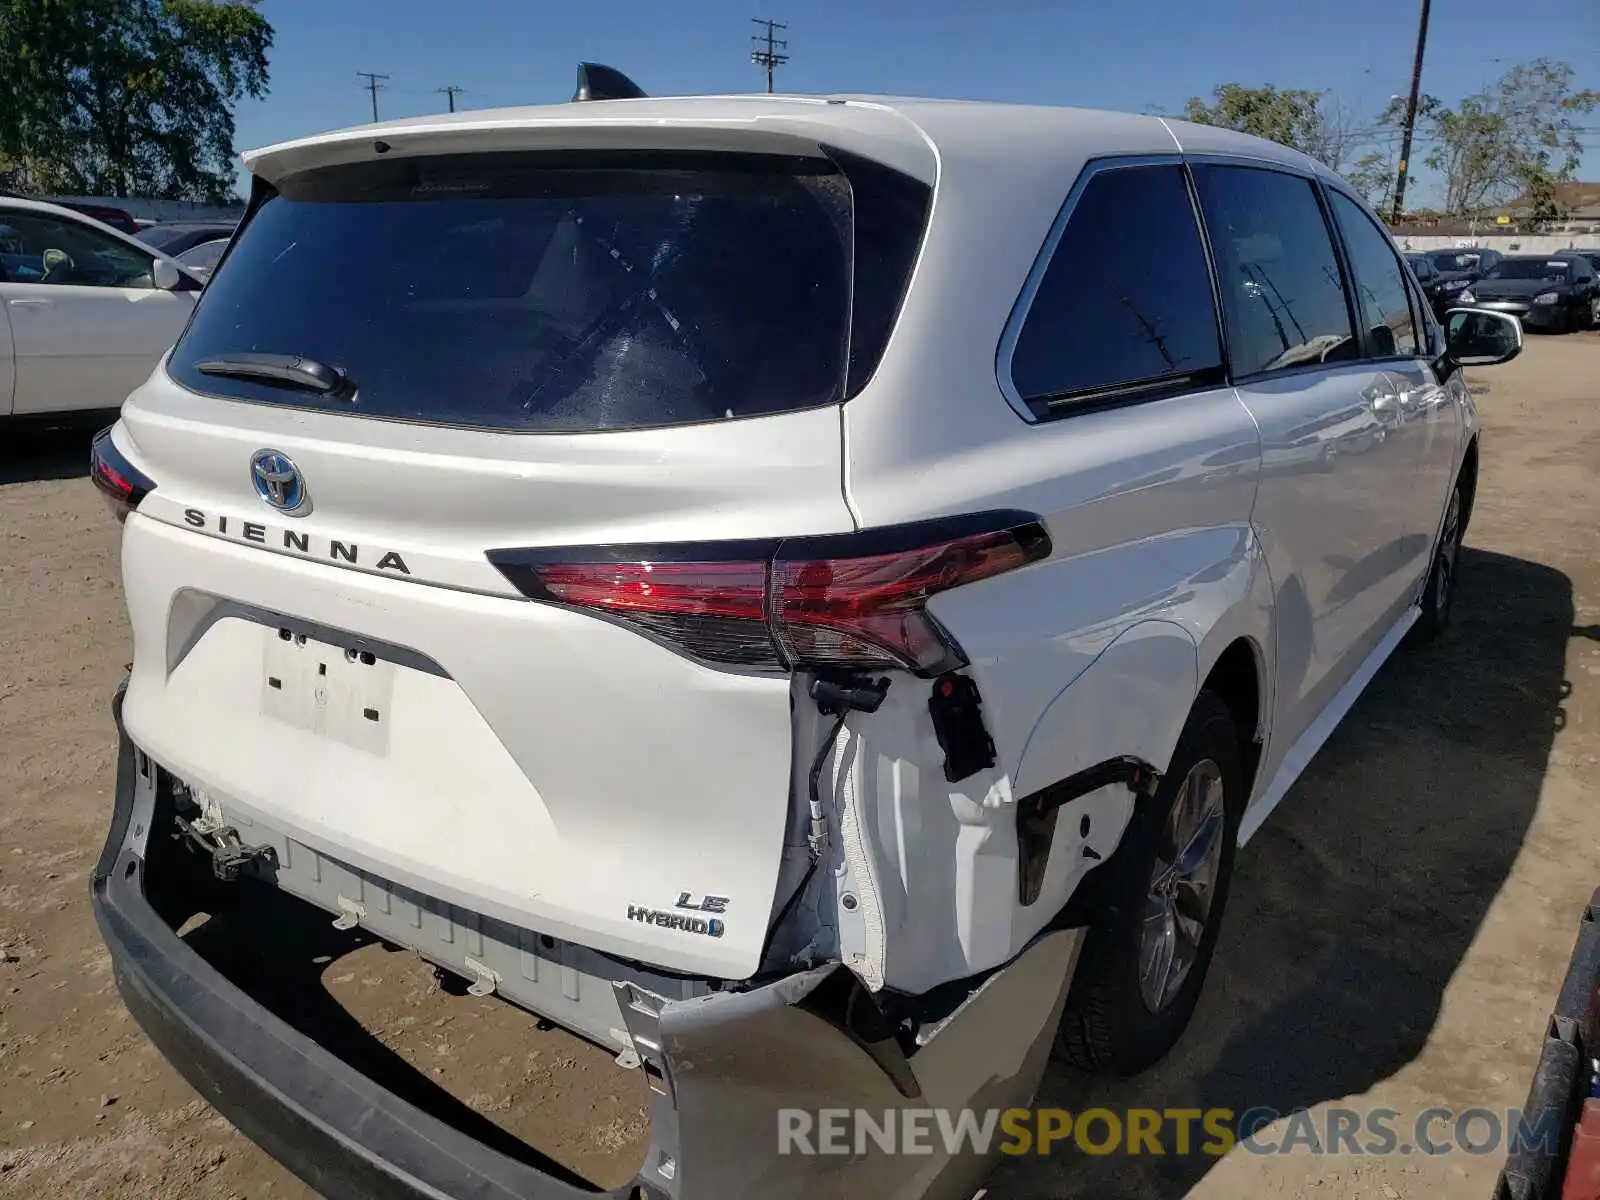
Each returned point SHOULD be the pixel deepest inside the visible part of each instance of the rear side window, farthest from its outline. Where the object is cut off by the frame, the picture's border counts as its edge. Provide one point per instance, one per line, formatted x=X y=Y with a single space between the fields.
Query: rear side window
x=1125 y=305
x=1380 y=284
x=542 y=292
x=1281 y=287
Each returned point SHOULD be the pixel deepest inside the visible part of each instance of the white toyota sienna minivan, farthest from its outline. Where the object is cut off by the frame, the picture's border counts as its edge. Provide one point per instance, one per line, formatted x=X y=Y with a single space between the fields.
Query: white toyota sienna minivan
x=807 y=593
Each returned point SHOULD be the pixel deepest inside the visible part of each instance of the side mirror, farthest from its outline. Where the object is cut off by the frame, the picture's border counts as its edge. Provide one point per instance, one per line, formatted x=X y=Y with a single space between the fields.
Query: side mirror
x=165 y=275
x=1481 y=338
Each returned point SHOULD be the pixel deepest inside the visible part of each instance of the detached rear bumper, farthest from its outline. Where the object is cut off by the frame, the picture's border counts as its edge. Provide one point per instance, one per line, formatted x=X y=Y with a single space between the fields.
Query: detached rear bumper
x=722 y=1068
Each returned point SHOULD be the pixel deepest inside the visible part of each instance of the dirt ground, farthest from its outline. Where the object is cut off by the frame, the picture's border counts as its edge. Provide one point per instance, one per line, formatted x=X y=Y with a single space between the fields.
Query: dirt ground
x=1395 y=937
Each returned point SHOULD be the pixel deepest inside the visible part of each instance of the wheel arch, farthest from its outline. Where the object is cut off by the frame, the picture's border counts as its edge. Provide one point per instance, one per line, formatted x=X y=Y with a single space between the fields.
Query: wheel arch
x=1238 y=677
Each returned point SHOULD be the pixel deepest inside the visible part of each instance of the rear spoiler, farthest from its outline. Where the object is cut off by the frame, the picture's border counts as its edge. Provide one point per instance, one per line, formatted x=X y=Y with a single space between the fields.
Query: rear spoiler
x=596 y=81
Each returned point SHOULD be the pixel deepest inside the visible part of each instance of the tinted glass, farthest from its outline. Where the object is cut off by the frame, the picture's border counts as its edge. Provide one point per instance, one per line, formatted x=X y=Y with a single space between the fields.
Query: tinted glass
x=890 y=211
x=1281 y=288
x=1126 y=298
x=38 y=248
x=1380 y=284
x=1554 y=269
x=1454 y=260
x=540 y=292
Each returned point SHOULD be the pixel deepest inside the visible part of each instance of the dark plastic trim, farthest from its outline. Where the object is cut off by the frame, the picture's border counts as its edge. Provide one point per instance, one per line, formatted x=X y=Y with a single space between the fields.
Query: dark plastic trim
x=1028 y=528
x=1036 y=819
x=596 y=81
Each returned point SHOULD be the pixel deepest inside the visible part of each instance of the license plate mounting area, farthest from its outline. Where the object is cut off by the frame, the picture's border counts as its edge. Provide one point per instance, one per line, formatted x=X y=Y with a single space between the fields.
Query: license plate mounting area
x=342 y=693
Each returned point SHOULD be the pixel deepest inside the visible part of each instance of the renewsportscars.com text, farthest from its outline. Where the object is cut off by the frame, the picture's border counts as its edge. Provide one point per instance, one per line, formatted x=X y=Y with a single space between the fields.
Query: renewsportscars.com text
x=1181 y=1131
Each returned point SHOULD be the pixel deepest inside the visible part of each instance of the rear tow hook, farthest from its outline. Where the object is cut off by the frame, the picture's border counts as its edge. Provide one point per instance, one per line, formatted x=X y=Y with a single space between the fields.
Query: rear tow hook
x=230 y=857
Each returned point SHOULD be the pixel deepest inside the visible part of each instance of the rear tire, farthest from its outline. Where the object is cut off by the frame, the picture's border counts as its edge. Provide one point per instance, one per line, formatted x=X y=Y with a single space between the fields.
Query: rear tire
x=1438 y=598
x=1130 y=1003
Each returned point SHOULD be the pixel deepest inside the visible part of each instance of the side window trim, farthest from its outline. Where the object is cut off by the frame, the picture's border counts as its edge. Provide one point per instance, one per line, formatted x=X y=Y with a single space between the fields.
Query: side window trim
x=1135 y=391
x=1212 y=272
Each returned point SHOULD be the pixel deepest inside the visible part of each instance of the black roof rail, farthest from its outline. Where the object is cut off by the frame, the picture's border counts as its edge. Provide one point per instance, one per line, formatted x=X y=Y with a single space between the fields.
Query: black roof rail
x=596 y=81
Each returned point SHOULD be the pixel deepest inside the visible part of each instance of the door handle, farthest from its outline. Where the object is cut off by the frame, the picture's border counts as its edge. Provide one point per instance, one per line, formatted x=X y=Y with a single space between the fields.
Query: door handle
x=30 y=302
x=1385 y=403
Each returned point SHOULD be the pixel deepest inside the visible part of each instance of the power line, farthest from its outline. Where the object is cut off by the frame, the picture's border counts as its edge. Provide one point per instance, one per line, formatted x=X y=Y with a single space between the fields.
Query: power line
x=1411 y=116
x=764 y=48
x=373 y=86
x=451 y=91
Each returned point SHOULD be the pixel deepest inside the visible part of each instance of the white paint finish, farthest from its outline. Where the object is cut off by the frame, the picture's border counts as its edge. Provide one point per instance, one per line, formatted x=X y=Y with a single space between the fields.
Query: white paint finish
x=1124 y=699
x=778 y=123
x=80 y=348
x=1434 y=427
x=1298 y=757
x=940 y=858
x=933 y=865
x=1148 y=509
x=629 y=774
x=321 y=688
x=501 y=791
x=1337 y=473
x=442 y=497
x=1132 y=701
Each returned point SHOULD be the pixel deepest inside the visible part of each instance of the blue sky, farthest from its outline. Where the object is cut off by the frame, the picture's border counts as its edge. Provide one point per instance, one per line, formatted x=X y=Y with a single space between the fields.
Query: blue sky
x=1126 y=55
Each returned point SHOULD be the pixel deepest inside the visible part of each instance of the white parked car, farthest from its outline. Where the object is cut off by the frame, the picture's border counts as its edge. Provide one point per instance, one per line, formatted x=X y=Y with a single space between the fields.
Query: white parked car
x=806 y=593
x=85 y=310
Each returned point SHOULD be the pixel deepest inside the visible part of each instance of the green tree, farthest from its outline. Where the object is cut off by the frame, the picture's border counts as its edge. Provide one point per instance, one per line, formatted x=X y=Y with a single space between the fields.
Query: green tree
x=1311 y=122
x=1516 y=137
x=1373 y=175
x=127 y=97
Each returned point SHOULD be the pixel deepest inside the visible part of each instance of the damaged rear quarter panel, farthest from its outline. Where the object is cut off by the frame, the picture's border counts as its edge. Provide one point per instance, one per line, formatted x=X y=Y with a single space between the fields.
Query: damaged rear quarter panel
x=735 y=1061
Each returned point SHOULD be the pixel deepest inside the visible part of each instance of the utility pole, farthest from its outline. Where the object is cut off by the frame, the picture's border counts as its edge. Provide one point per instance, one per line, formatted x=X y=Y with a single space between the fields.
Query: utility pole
x=765 y=47
x=451 y=92
x=373 y=86
x=1411 y=119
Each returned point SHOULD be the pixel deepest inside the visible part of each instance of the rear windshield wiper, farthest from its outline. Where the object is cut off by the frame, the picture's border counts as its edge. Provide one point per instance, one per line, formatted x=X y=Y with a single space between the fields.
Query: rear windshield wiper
x=291 y=370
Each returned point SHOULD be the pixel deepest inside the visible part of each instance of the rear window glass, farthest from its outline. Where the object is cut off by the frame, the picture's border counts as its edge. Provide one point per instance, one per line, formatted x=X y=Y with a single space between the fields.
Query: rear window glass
x=1529 y=268
x=541 y=292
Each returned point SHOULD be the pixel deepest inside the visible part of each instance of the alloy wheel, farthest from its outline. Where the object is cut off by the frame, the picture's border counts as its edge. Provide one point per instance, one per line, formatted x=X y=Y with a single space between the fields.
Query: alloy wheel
x=1449 y=550
x=1183 y=886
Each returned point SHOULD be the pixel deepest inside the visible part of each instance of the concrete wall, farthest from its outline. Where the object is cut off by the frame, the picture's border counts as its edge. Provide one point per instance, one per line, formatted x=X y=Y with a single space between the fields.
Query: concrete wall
x=158 y=210
x=1506 y=243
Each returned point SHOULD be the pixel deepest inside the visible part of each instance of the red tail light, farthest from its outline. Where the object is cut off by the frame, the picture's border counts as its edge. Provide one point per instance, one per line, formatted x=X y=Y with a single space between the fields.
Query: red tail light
x=123 y=484
x=855 y=601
